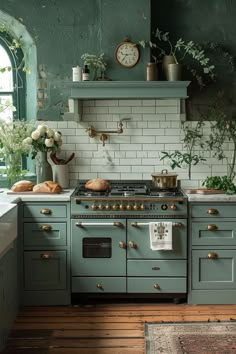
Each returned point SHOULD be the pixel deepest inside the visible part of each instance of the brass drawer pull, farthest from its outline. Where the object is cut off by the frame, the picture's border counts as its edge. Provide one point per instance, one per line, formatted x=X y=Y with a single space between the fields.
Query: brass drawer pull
x=122 y=244
x=46 y=255
x=212 y=255
x=46 y=211
x=45 y=227
x=99 y=286
x=212 y=227
x=212 y=211
x=132 y=244
x=157 y=286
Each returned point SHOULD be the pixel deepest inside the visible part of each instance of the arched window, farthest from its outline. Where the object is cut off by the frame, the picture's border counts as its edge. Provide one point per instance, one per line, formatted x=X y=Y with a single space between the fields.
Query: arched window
x=12 y=80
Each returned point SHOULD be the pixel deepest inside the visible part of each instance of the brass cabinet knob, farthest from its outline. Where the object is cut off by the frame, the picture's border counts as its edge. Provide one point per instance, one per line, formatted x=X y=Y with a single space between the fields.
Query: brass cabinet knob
x=212 y=255
x=45 y=255
x=132 y=244
x=101 y=207
x=107 y=207
x=156 y=286
x=94 y=206
x=99 y=286
x=115 y=207
x=129 y=207
x=45 y=227
x=122 y=244
x=142 y=207
x=173 y=207
x=136 y=207
x=46 y=211
x=212 y=227
x=212 y=211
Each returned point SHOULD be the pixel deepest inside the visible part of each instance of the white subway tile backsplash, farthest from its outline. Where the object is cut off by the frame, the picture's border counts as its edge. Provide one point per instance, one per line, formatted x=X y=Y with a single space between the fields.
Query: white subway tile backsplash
x=155 y=126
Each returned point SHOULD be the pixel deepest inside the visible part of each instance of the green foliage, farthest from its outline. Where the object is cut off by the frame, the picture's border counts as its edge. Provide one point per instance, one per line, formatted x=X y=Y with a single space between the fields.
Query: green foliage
x=192 y=139
x=223 y=183
x=95 y=63
x=223 y=130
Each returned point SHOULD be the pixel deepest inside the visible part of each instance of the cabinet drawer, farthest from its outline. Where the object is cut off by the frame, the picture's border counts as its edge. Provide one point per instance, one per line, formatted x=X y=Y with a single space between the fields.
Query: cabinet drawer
x=99 y=285
x=45 y=270
x=213 y=273
x=156 y=285
x=215 y=233
x=212 y=210
x=45 y=234
x=45 y=211
x=157 y=268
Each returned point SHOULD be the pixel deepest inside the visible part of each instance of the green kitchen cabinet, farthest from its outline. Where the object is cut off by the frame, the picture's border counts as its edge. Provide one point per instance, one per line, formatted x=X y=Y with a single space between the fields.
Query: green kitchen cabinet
x=8 y=292
x=212 y=253
x=45 y=244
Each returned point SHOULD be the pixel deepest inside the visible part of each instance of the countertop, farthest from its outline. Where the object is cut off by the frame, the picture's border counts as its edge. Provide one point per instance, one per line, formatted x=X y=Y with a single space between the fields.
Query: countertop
x=211 y=197
x=16 y=198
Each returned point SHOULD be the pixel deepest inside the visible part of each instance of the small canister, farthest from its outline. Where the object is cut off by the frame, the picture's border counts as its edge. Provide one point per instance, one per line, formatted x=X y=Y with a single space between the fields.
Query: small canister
x=76 y=73
x=151 y=72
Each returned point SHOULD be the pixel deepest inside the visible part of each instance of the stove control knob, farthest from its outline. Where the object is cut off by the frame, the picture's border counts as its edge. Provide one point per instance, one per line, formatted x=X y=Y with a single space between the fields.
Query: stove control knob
x=122 y=207
x=101 y=207
x=136 y=207
x=115 y=206
x=94 y=207
x=128 y=207
x=107 y=207
x=142 y=207
x=164 y=207
x=173 y=207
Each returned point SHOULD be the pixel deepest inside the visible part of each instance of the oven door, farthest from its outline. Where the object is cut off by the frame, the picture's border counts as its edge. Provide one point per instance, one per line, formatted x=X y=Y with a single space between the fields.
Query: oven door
x=138 y=242
x=98 y=247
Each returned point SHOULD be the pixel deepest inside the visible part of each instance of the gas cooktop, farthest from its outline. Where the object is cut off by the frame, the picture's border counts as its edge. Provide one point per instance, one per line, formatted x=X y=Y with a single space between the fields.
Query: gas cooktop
x=128 y=189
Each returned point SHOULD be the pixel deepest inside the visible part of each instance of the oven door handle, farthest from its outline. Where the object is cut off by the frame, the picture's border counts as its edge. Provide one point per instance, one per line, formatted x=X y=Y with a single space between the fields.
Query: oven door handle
x=82 y=224
x=137 y=224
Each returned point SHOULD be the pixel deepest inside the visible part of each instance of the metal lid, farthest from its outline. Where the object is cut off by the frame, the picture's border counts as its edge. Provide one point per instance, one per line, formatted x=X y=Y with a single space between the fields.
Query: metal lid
x=164 y=173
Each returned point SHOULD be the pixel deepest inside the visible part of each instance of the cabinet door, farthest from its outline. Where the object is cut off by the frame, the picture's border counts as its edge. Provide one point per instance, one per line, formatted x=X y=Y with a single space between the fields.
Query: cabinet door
x=217 y=233
x=45 y=270
x=213 y=269
x=45 y=234
x=138 y=243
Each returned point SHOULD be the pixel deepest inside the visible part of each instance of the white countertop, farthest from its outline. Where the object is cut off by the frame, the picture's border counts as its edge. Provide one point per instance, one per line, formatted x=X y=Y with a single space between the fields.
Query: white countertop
x=211 y=197
x=18 y=197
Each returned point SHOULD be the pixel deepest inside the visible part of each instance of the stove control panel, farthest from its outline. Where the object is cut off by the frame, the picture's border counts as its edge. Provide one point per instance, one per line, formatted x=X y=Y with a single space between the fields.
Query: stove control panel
x=106 y=206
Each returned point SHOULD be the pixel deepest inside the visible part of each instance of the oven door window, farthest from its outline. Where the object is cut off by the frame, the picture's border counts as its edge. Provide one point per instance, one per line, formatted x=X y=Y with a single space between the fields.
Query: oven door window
x=97 y=247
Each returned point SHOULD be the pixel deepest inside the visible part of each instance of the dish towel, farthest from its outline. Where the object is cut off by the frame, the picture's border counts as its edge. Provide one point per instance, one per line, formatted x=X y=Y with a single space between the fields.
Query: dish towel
x=160 y=235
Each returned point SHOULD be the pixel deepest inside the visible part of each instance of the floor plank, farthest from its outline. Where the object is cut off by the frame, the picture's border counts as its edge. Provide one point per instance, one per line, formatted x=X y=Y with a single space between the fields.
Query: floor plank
x=100 y=328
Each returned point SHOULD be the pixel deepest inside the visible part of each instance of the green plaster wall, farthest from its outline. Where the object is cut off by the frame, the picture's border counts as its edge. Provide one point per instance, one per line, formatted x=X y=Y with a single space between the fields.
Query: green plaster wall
x=64 y=30
x=203 y=21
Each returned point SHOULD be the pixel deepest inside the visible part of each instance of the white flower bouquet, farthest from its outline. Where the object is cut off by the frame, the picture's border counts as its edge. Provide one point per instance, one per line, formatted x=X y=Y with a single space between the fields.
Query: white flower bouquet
x=43 y=138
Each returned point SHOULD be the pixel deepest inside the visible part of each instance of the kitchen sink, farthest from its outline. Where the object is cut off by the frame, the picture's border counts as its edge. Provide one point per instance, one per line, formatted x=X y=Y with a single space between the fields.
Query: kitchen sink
x=8 y=226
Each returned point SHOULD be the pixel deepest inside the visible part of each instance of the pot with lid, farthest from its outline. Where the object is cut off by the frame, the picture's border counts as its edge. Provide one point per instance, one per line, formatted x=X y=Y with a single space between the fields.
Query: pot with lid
x=164 y=180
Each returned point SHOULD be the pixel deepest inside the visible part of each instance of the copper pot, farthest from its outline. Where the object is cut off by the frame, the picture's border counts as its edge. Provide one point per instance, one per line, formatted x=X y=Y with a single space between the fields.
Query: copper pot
x=164 y=180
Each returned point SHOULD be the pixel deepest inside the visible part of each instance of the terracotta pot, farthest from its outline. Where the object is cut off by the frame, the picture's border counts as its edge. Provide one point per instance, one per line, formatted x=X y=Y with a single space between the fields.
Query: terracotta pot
x=164 y=180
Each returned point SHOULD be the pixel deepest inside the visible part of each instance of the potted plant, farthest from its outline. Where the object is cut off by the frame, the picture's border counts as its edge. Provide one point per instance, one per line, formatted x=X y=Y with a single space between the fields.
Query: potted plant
x=173 y=54
x=188 y=158
x=96 y=64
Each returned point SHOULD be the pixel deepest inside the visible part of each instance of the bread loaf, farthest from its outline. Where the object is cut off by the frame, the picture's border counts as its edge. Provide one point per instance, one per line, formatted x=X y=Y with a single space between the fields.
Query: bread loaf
x=22 y=186
x=47 y=187
x=97 y=184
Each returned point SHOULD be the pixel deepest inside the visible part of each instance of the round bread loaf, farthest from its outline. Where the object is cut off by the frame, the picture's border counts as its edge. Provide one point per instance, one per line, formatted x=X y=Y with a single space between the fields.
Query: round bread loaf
x=47 y=187
x=22 y=186
x=97 y=184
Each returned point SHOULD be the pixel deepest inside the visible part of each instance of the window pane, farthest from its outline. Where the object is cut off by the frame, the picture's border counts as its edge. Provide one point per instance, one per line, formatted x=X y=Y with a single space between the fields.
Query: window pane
x=6 y=109
x=6 y=80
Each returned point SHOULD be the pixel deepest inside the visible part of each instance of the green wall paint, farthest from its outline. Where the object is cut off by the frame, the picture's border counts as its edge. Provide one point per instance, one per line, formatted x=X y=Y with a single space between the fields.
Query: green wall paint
x=64 y=30
x=202 y=21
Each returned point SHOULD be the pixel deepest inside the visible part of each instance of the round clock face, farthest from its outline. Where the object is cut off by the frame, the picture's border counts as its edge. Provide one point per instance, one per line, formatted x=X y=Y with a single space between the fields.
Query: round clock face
x=127 y=54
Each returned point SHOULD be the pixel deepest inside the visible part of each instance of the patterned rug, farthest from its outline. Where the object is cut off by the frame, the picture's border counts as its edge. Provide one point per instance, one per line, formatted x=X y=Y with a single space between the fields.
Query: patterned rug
x=191 y=338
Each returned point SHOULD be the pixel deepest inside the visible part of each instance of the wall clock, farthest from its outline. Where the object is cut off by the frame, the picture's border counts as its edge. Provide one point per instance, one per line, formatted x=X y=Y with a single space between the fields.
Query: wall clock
x=127 y=54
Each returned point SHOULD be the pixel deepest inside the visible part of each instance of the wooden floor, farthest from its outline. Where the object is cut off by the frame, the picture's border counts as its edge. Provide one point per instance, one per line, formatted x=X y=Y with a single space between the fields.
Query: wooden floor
x=101 y=328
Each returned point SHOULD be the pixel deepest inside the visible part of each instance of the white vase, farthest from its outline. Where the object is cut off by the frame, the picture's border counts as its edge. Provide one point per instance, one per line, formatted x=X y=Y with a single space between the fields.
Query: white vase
x=61 y=175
